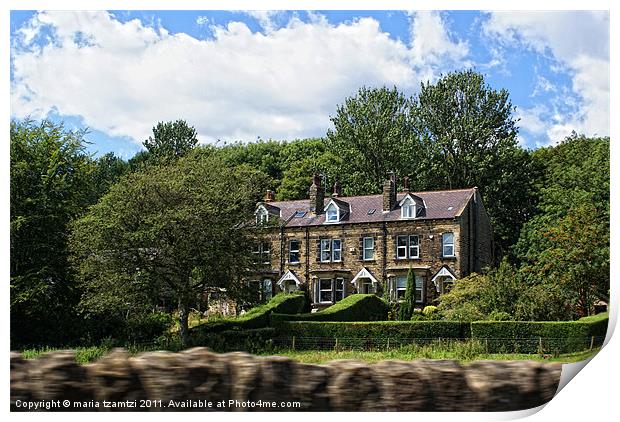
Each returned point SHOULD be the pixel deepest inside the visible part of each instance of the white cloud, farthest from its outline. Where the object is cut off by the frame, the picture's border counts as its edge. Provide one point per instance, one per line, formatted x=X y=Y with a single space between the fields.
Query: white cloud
x=579 y=41
x=431 y=40
x=238 y=85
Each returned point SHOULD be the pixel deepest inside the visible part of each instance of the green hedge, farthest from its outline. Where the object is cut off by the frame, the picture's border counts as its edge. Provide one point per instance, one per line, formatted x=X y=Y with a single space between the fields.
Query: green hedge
x=368 y=335
x=259 y=340
x=540 y=337
x=257 y=317
x=351 y=308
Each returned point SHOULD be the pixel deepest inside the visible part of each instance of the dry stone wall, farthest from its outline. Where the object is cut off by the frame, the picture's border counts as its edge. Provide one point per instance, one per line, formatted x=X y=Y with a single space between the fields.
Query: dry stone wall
x=200 y=380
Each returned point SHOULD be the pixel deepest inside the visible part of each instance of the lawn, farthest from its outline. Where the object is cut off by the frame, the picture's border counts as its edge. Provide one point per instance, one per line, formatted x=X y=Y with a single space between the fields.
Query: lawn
x=322 y=356
x=462 y=352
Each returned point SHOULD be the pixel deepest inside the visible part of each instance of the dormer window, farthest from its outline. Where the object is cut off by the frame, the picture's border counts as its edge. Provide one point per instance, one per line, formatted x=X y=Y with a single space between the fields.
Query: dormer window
x=408 y=208
x=262 y=216
x=332 y=214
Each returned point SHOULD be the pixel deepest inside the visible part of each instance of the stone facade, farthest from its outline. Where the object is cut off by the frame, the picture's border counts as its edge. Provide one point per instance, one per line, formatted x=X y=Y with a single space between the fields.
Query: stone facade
x=296 y=243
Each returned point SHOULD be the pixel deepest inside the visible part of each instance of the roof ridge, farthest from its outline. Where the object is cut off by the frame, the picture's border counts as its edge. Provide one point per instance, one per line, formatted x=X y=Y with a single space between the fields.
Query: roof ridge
x=344 y=198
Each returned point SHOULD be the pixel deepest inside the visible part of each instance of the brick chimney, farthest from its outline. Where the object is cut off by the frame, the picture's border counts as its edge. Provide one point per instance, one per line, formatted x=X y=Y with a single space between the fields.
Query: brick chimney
x=406 y=184
x=337 y=190
x=270 y=196
x=317 y=195
x=389 y=192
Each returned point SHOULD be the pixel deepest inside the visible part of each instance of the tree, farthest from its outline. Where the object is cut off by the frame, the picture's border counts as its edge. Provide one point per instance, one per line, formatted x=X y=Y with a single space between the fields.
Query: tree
x=170 y=141
x=168 y=230
x=372 y=134
x=565 y=247
x=51 y=184
x=407 y=307
x=108 y=170
x=469 y=135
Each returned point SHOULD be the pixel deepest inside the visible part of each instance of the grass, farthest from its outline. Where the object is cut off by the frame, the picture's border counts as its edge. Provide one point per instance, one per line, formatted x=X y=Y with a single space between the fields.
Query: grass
x=461 y=351
x=322 y=356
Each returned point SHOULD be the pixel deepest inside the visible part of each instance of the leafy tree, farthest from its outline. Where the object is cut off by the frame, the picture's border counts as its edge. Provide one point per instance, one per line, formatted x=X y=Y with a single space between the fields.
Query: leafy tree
x=170 y=141
x=51 y=183
x=297 y=178
x=108 y=170
x=566 y=246
x=469 y=134
x=407 y=307
x=167 y=231
x=373 y=135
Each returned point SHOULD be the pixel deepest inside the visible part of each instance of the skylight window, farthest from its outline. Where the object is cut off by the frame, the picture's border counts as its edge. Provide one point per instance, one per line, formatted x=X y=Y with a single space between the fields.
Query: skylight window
x=371 y=211
x=299 y=214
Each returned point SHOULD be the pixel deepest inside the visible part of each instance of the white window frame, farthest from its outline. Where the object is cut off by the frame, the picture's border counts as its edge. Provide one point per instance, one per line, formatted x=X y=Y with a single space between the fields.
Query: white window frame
x=408 y=208
x=291 y=251
x=403 y=289
x=336 y=249
x=265 y=254
x=262 y=215
x=332 y=214
x=420 y=289
x=370 y=248
x=447 y=244
x=404 y=247
x=336 y=289
x=326 y=249
x=415 y=247
x=330 y=290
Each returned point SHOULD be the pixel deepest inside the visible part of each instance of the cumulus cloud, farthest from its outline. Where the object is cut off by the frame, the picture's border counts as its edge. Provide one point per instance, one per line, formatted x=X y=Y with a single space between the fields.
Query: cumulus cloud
x=432 y=41
x=579 y=41
x=121 y=78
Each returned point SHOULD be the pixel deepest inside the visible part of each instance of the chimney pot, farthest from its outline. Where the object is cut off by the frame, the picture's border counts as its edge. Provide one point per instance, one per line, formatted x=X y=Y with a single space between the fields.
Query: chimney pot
x=270 y=196
x=406 y=183
x=337 y=190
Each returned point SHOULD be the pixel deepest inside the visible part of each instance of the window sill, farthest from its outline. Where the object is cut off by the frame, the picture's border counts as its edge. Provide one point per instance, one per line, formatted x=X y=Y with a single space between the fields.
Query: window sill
x=448 y=258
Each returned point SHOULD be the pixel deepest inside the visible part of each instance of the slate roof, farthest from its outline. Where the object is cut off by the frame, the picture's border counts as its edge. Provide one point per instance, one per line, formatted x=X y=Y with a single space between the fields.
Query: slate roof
x=445 y=204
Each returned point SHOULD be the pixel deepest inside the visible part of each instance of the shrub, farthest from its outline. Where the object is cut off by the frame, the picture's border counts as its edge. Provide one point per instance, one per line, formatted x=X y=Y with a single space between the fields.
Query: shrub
x=369 y=334
x=430 y=309
x=499 y=316
x=352 y=308
x=257 y=317
x=147 y=327
x=418 y=316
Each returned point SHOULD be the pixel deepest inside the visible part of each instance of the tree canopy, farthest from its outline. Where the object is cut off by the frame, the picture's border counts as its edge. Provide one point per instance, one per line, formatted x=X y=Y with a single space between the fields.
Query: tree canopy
x=51 y=184
x=169 y=230
x=170 y=140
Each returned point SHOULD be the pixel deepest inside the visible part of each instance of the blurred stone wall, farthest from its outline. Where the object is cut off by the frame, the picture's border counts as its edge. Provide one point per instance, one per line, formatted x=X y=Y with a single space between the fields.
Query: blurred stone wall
x=200 y=380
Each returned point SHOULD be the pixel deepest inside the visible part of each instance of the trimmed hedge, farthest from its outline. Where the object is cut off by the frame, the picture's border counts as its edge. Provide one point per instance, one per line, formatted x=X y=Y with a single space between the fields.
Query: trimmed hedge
x=352 y=308
x=541 y=337
x=259 y=340
x=257 y=317
x=369 y=335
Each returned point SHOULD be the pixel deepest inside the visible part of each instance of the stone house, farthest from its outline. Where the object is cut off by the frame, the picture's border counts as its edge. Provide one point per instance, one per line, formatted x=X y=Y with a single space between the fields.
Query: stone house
x=336 y=246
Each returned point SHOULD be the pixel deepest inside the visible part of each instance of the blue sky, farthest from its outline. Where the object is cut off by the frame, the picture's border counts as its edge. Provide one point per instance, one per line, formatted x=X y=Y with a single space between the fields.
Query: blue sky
x=241 y=76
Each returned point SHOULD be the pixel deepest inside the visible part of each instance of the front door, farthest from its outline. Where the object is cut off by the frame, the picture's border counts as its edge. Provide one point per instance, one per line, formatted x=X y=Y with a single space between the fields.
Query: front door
x=366 y=286
x=290 y=286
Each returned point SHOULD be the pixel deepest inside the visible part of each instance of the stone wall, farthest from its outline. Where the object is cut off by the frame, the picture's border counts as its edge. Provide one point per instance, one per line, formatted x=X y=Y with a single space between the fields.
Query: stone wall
x=192 y=379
